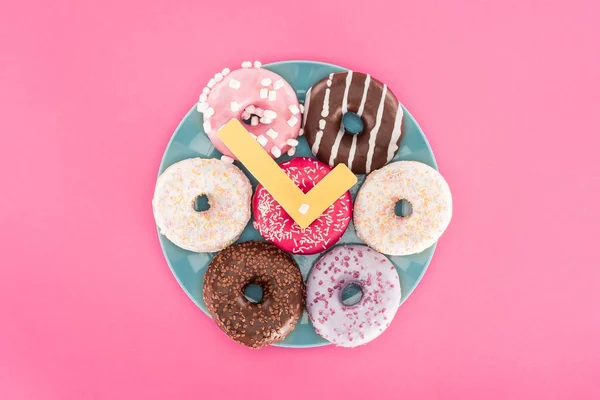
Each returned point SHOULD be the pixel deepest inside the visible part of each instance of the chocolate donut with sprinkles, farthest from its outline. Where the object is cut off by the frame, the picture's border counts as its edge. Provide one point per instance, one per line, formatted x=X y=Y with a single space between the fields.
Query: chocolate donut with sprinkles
x=276 y=225
x=326 y=104
x=276 y=314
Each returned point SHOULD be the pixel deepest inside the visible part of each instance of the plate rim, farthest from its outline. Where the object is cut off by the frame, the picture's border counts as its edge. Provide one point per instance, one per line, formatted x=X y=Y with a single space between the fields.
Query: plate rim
x=193 y=109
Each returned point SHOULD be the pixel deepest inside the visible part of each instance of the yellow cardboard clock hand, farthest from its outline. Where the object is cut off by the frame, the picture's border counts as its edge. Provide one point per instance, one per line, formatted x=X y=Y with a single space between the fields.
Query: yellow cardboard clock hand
x=303 y=208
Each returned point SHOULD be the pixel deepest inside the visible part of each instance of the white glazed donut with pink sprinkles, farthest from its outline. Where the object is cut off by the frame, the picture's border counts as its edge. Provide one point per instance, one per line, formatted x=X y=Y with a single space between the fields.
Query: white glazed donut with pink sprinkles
x=423 y=187
x=357 y=324
x=258 y=96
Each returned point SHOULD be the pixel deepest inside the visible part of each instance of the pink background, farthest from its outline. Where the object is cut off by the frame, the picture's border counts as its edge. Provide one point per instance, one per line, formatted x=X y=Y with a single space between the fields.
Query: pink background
x=507 y=92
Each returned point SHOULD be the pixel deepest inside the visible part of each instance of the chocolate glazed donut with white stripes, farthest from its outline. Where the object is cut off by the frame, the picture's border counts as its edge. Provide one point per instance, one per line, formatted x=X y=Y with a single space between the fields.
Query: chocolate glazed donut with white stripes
x=332 y=97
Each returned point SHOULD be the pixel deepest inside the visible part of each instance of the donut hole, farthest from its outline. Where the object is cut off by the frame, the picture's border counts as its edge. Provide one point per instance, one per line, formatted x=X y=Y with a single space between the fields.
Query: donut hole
x=201 y=203
x=249 y=120
x=351 y=294
x=403 y=208
x=253 y=293
x=353 y=124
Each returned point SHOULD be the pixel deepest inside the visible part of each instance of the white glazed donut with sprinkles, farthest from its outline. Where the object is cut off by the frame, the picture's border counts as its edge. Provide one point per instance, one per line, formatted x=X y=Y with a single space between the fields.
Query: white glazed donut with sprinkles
x=257 y=96
x=228 y=191
x=357 y=324
x=423 y=187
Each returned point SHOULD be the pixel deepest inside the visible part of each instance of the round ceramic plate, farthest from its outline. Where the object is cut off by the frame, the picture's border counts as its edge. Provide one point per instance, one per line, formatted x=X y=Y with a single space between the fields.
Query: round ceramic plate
x=189 y=140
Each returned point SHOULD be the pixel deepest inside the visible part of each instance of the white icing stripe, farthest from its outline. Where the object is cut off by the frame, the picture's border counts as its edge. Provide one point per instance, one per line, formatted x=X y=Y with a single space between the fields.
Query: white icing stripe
x=315 y=146
x=392 y=147
x=361 y=108
x=352 y=151
x=325 y=109
x=324 y=113
x=338 y=139
x=359 y=113
x=346 y=90
x=306 y=104
x=375 y=130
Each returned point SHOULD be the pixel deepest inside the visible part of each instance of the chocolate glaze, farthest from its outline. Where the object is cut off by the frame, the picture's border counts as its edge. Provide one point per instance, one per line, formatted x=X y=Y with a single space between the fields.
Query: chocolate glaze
x=326 y=103
x=254 y=324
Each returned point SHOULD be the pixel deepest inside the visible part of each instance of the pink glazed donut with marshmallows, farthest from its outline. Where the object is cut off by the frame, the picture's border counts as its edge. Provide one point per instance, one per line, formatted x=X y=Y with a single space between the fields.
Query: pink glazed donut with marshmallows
x=352 y=325
x=255 y=95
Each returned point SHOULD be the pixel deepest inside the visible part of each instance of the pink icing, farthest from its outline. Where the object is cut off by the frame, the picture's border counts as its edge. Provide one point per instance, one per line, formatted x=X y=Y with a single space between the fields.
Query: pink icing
x=221 y=96
x=351 y=326
x=277 y=227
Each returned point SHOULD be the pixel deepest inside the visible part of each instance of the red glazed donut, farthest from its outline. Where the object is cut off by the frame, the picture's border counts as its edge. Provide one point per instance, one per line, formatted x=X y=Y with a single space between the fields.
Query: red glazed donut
x=277 y=227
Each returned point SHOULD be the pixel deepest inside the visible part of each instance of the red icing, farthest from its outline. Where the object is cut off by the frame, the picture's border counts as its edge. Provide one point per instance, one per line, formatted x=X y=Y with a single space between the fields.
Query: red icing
x=277 y=227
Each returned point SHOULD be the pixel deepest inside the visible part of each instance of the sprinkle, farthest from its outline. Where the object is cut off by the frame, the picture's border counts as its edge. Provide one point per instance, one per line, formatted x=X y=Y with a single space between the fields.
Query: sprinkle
x=264 y=93
x=294 y=109
x=302 y=108
x=203 y=98
x=209 y=112
x=246 y=64
x=211 y=83
x=262 y=140
x=291 y=151
x=272 y=95
x=272 y=133
x=234 y=106
x=322 y=123
x=266 y=81
x=246 y=115
x=202 y=107
x=207 y=126
x=303 y=208
x=259 y=111
x=206 y=90
x=292 y=142
x=270 y=114
x=218 y=77
x=250 y=109
x=227 y=159
x=265 y=120
x=278 y=84
x=254 y=120
x=301 y=133
x=275 y=151
x=225 y=71
x=292 y=121
x=257 y=64
x=235 y=84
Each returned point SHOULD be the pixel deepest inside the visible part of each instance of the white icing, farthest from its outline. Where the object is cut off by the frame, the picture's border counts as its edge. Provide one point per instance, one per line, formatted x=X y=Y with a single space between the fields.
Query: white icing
x=363 y=100
x=375 y=130
x=306 y=105
x=317 y=143
x=393 y=147
x=325 y=109
x=338 y=138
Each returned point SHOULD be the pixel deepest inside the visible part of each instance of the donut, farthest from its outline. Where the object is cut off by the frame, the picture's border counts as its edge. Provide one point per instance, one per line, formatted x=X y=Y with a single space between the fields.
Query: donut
x=228 y=192
x=260 y=263
x=377 y=278
x=276 y=226
x=326 y=104
x=255 y=95
x=423 y=187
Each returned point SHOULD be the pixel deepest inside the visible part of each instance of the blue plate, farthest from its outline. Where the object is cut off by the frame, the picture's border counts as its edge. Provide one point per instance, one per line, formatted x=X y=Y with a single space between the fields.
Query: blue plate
x=189 y=140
